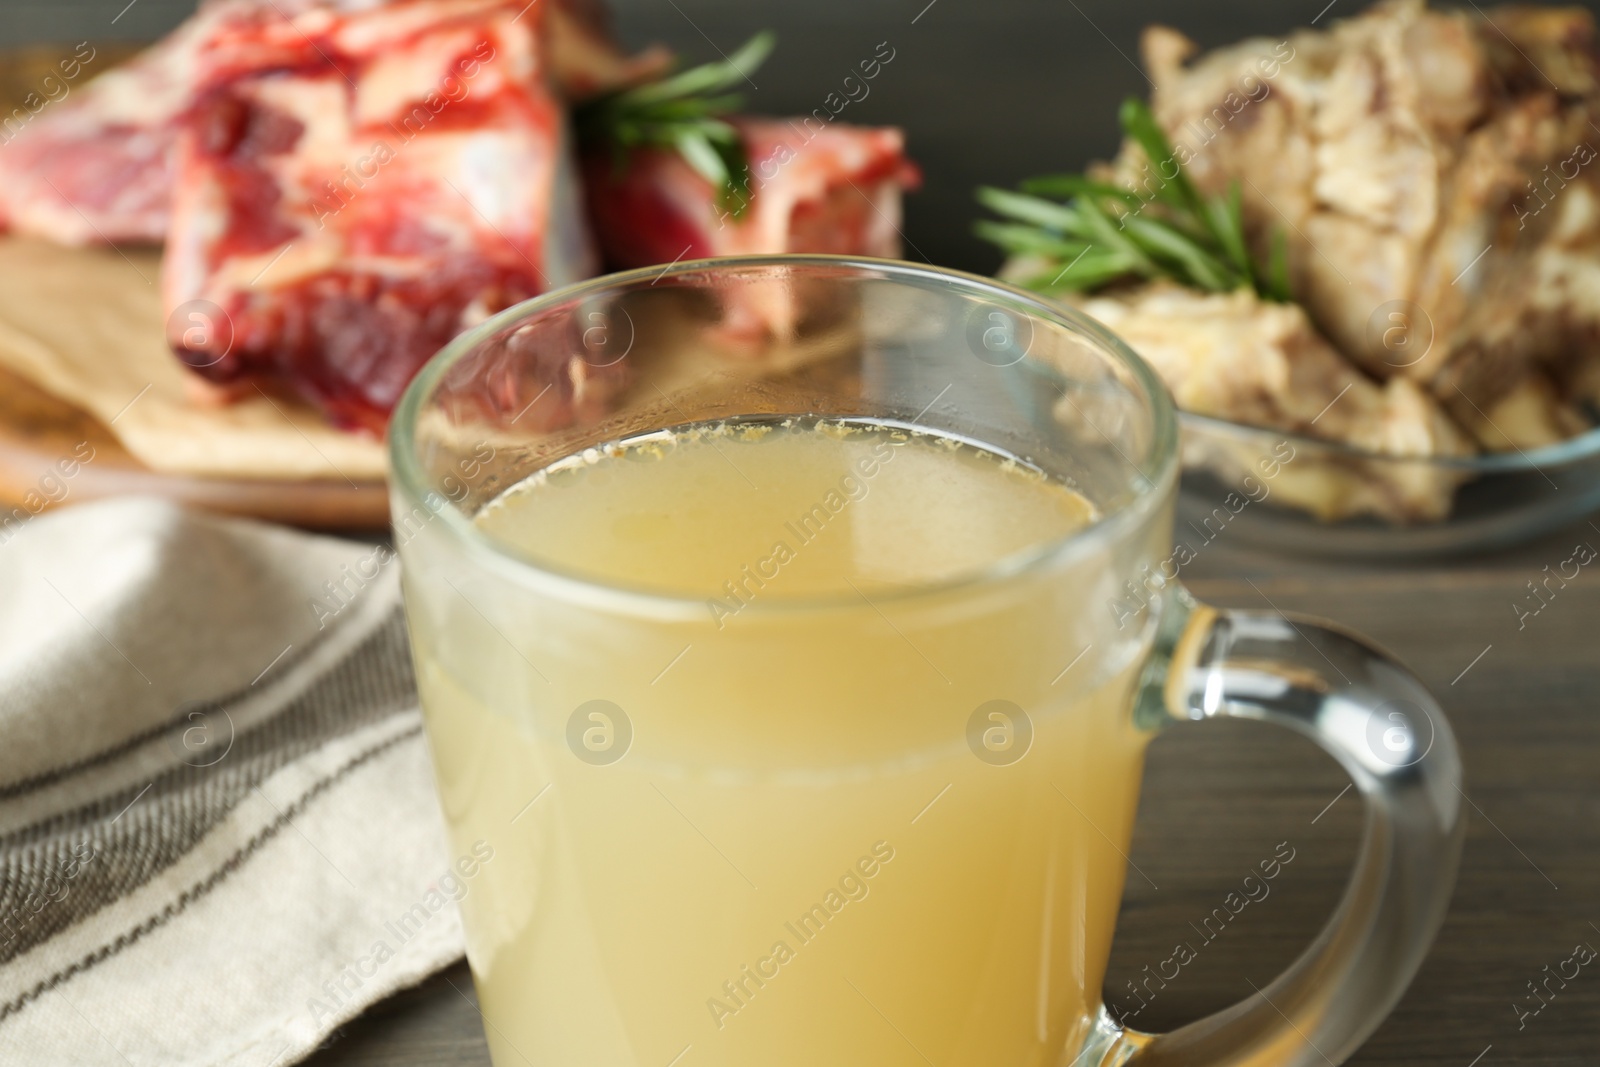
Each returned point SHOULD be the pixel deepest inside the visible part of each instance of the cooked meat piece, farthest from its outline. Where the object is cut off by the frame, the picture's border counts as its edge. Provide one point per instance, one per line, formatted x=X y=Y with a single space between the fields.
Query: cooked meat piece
x=1233 y=356
x=1544 y=47
x=355 y=188
x=1424 y=161
x=1531 y=415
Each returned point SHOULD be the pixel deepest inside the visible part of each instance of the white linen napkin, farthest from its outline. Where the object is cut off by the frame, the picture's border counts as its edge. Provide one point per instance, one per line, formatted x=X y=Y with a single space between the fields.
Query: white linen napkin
x=219 y=837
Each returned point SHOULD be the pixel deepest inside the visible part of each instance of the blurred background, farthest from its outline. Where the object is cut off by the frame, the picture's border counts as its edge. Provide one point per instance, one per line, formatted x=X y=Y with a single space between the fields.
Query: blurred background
x=988 y=92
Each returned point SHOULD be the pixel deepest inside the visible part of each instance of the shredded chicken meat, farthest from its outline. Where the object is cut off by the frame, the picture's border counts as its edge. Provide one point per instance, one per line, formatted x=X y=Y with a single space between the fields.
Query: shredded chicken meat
x=1436 y=176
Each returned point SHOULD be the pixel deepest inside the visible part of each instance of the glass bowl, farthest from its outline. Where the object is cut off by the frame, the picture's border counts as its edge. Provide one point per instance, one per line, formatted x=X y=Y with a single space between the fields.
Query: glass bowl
x=1287 y=492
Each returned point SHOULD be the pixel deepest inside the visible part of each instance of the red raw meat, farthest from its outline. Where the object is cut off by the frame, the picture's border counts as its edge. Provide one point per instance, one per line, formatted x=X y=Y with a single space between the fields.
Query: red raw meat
x=96 y=166
x=356 y=187
x=822 y=189
x=827 y=189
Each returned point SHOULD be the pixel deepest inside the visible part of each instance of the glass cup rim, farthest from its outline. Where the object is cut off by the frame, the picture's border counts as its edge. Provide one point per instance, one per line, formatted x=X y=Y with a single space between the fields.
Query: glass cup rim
x=1157 y=470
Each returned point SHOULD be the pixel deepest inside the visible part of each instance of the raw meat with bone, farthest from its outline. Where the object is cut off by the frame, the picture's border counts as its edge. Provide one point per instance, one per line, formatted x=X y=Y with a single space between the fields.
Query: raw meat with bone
x=354 y=188
x=283 y=264
x=96 y=166
x=833 y=189
x=827 y=189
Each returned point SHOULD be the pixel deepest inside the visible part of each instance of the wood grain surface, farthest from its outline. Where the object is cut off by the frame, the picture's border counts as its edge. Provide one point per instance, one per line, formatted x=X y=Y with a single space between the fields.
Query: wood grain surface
x=1219 y=797
x=40 y=436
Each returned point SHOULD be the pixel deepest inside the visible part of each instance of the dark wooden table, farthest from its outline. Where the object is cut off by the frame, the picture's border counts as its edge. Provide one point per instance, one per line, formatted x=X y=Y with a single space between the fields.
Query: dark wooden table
x=1219 y=797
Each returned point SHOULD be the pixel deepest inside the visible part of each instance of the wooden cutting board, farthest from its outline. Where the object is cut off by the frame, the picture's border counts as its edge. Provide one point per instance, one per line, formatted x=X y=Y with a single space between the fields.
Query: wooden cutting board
x=42 y=437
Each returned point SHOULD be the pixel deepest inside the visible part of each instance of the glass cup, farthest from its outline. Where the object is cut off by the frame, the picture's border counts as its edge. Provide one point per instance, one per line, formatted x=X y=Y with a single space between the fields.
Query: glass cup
x=883 y=828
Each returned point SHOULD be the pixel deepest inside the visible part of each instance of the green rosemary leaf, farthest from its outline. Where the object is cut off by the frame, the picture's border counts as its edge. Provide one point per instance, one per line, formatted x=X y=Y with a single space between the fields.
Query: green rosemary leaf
x=698 y=152
x=1028 y=240
x=1084 y=274
x=698 y=109
x=683 y=113
x=708 y=78
x=1101 y=233
x=1063 y=186
x=1227 y=222
x=1278 y=285
x=1104 y=231
x=1202 y=269
x=1032 y=209
x=1175 y=188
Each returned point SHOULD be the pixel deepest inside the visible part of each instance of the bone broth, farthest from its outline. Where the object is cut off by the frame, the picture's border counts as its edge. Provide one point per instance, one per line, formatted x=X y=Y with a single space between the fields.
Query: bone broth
x=767 y=784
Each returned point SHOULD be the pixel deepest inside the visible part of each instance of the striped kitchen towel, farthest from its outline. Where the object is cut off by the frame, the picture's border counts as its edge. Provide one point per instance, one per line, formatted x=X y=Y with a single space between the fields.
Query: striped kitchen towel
x=215 y=797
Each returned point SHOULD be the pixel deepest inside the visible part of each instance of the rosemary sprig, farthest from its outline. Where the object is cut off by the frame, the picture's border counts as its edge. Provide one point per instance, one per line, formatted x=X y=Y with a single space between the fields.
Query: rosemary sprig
x=683 y=112
x=1094 y=233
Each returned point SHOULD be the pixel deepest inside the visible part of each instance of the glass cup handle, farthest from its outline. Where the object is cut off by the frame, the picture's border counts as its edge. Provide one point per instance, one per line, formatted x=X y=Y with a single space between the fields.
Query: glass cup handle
x=1374 y=717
